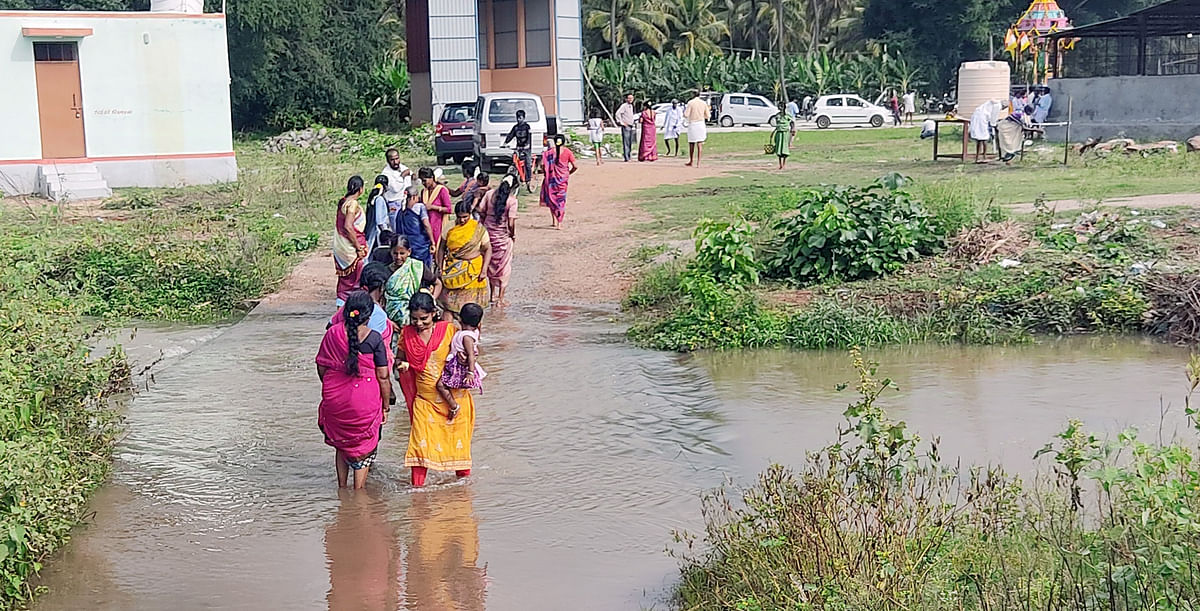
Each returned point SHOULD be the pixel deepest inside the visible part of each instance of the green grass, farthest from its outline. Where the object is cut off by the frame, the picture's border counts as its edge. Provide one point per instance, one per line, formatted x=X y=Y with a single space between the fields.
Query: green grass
x=196 y=254
x=859 y=156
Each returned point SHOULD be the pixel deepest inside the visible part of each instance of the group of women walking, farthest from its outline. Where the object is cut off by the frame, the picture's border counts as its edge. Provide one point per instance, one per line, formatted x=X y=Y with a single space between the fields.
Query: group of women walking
x=411 y=289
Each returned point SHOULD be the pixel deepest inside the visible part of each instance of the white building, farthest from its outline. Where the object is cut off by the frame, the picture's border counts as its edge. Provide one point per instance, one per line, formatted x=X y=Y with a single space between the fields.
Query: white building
x=458 y=49
x=113 y=99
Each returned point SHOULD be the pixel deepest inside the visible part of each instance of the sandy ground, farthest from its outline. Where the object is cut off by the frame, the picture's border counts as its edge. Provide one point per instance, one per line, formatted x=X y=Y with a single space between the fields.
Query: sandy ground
x=579 y=264
x=1168 y=200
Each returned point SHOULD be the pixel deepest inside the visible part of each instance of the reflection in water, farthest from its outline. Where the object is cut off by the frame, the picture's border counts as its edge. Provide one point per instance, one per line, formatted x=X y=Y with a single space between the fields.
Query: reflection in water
x=589 y=453
x=443 y=552
x=363 y=554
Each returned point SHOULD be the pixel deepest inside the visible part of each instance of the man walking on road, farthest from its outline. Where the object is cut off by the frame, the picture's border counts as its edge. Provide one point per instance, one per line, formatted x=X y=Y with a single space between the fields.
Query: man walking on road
x=627 y=119
x=696 y=113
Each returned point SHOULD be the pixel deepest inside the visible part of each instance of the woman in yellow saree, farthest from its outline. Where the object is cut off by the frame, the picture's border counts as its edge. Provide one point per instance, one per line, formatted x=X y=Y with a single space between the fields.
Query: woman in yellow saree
x=464 y=254
x=436 y=440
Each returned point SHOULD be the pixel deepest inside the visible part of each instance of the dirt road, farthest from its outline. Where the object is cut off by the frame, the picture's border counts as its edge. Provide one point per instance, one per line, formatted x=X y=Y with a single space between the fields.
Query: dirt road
x=578 y=264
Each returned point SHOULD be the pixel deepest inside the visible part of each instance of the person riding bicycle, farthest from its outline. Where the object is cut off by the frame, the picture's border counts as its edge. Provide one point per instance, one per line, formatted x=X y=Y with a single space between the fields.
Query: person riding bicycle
x=523 y=134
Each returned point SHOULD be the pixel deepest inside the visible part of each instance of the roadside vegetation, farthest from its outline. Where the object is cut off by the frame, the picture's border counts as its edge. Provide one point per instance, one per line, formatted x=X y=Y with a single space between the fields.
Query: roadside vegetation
x=70 y=274
x=904 y=260
x=879 y=519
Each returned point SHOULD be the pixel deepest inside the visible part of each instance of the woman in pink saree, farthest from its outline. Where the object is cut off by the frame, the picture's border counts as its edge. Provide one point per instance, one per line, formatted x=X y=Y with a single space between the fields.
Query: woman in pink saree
x=498 y=212
x=648 y=149
x=558 y=164
x=353 y=364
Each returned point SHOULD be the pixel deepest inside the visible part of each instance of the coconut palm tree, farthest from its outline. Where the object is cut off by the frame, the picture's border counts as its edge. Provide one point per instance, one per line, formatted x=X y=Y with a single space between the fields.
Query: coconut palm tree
x=694 y=27
x=621 y=21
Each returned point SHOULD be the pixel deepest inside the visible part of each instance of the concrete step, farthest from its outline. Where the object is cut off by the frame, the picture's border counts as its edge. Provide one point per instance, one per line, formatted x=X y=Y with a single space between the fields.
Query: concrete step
x=75 y=181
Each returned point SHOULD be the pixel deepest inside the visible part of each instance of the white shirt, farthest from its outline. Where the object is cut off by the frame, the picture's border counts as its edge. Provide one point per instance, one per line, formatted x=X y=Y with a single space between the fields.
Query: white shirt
x=910 y=102
x=396 y=183
x=982 y=121
x=625 y=115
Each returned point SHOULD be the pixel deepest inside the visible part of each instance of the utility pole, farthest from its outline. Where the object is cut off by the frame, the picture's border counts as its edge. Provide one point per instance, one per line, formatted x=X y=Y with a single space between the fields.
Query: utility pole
x=782 y=80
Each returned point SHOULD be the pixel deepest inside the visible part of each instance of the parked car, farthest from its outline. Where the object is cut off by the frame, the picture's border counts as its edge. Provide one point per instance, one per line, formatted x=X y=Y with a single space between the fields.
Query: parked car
x=453 y=134
x=848 y=109
x=746 y=109
x=495 y=115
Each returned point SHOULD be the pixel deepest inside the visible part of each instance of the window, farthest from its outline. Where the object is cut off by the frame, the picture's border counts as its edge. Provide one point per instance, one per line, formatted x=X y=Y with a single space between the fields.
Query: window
x=757 y=102
x=481 y=15
x=537 y=32
x=505 y=110
x=504 y=22
x=55 y=52
x=737 y=99
x=854 y=102
x=833 y=102
x=458 y=114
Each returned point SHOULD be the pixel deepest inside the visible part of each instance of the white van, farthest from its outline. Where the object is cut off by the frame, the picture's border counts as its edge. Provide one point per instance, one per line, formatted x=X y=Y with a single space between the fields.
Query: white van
x=495 y=115
x=746 y=109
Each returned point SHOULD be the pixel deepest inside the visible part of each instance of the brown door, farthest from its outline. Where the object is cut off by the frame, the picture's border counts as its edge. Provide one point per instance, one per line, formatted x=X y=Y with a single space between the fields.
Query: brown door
x=60 y=100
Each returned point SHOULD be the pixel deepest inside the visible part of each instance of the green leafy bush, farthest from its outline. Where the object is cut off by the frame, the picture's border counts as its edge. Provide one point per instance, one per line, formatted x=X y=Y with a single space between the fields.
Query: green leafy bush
x=724 y=250
x=710 y=315
x=848 y=232
x=878 y=519
x=56 y=432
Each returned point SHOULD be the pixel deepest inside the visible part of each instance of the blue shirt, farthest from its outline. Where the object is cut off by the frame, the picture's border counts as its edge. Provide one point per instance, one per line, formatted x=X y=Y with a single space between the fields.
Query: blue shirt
x=378 y=321
x=793 y=109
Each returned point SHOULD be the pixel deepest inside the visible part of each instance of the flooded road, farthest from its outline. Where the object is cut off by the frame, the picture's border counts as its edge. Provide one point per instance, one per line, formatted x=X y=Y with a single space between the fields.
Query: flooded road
x=588 y=452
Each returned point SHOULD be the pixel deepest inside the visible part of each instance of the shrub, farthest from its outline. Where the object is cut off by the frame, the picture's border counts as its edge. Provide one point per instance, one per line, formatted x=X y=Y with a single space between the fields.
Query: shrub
x=877 y=519
x=959 y=204
x=709 y=315
x=848 y=232
x=724 y=250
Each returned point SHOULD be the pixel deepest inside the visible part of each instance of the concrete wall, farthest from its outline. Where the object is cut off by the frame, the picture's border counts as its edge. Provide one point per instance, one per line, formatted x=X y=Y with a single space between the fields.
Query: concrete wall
x=1138 y=107
x=152 y=83
x=568 y=47
x=537 y=80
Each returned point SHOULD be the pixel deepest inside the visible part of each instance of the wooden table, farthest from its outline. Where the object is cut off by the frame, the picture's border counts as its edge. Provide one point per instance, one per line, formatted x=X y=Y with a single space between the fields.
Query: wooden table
x=937 y=125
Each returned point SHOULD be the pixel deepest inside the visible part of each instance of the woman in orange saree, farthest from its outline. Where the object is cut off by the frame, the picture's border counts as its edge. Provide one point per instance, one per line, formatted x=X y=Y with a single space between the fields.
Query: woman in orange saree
x=436 y=440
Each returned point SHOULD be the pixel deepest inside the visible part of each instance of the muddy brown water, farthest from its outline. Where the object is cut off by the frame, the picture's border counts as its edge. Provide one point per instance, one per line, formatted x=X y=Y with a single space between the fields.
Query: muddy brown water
x=588 y=453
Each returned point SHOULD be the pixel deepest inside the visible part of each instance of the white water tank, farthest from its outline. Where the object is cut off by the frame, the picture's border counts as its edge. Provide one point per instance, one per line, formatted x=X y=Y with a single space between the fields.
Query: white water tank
x=979 y=82
x=177 y=6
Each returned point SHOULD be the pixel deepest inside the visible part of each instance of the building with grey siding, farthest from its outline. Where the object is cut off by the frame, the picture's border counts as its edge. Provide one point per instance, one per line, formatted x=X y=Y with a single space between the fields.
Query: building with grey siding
x=458 y=49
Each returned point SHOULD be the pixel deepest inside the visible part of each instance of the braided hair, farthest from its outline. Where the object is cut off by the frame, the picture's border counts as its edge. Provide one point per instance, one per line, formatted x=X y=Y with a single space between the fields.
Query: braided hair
x=355 y=313
x=500 y=201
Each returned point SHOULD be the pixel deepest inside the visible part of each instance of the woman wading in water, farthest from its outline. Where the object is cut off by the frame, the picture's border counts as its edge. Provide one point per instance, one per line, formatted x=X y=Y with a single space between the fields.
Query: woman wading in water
x=498 y=212
x=352 y=364
x=438 y=439
x=465 y=253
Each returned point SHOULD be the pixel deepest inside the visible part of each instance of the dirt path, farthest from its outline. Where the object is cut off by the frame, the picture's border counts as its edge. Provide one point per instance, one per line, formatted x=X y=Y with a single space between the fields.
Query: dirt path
x=579 y=264
x=1167 y=200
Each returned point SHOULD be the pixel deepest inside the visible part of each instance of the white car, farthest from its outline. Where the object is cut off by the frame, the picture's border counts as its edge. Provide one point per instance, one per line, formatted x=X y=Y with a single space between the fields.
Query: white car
x=746 y=109
x=848 y=109
x=495 y=115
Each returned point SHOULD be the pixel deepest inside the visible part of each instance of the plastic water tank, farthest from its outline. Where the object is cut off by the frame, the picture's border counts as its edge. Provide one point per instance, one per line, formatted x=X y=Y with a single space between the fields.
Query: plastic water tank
x=177 y=6
x=979 y=82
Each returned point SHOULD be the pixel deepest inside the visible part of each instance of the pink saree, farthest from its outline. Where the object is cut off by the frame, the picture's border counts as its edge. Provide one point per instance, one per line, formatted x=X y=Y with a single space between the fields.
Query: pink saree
x=351 y=410
x=497 y=228
x=648 y=147
x=558 y=173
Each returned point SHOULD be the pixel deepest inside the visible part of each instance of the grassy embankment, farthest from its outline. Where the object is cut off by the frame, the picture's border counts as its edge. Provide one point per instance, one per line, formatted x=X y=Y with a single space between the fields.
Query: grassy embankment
x=69 y=273
x=879 y=520
x=1073 y=276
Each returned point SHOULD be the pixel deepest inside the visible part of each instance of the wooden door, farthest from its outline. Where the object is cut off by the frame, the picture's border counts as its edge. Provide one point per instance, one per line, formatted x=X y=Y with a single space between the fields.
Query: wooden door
x=60 y=99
